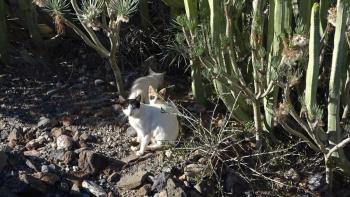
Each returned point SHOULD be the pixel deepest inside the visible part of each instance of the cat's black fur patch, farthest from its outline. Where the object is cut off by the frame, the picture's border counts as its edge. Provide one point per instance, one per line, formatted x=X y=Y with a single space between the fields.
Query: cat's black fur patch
x=135 y=103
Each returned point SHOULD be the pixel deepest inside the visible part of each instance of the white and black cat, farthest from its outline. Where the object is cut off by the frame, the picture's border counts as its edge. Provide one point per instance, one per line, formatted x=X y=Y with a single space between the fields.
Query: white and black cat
x=140 y=85
x=151 y=123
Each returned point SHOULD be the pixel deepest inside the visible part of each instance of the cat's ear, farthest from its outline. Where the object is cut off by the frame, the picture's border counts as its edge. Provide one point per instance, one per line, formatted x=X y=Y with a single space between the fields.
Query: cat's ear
x=138 y=98
x=162 y=92
x=150 y=71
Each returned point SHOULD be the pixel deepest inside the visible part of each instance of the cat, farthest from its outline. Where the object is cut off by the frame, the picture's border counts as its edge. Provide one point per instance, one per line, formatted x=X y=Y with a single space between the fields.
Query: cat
x=150 y=124
x=140 y=85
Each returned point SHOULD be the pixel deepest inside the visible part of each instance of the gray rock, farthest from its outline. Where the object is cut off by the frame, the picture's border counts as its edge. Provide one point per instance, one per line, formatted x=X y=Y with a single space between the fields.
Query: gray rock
x=132 y=181
x=64 y=142
x=291 y=174
x=315 y=181
x=91 y=162
x=15 y=137
x=3 y=160
x=44 y=122
x=94 y=189
x=172 y=189
x=4 y=134
x=31 y=165
x=44 y=168
x=159 y=181
x=75 y=190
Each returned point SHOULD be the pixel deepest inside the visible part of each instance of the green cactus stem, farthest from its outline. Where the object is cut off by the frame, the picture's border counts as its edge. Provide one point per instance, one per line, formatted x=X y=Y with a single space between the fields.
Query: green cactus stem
x=314 y=61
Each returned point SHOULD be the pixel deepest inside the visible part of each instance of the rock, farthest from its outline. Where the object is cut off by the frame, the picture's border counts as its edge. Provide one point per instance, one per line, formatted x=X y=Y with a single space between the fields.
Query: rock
x=94 y=189
x=68 y=157
x=35 y=143
x=32 y=153
x=48 y=177
x=4 y=134
x=64 y=142
x=3 y=160
x=57 y=132
x=46 y=122
x=192 y=170
x=15 y=137
x=144 y=190
x=172 y=189
x=113 y=177
x=91 y=162
x=98 y=82
x=291 y=174
x=86 y=137
x=159 y=181
x=315 y=181
x=31 y=165
x=33 y=182
x=132 y=181
x=130 y=132
x=44 y=168
x=75 y=190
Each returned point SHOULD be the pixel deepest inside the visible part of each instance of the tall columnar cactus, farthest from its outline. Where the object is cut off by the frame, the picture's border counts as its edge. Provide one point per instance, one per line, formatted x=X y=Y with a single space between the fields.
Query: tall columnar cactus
x=313 y=67
x=275 y=50
x=3 y=33
x=90 y=16
x=191 y=7
x=338 y=64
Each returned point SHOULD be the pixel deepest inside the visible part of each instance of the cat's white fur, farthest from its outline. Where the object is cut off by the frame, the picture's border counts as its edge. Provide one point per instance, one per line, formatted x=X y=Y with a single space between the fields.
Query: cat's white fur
x=152 y=124
x=140 y=85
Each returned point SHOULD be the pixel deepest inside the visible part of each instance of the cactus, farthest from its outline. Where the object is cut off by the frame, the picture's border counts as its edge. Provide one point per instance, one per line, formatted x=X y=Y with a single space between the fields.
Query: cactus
x=314 y=61
x=271 y=101
x=3 y=33
x=197 y=81
x=335 y=80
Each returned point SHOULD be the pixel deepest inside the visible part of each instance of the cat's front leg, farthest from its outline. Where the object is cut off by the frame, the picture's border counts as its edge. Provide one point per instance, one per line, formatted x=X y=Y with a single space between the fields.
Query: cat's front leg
x=144 y=142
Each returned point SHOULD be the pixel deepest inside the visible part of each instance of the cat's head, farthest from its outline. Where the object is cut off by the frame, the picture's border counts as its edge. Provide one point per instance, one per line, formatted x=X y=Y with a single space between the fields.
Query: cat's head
x=156 y=97
x=131 y=107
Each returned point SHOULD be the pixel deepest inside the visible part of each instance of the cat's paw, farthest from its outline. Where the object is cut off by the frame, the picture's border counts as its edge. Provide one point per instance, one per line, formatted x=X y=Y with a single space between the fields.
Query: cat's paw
x=134 y=148
x=139 y=153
